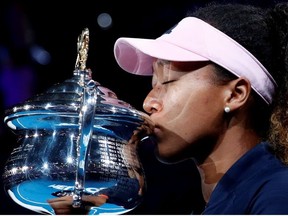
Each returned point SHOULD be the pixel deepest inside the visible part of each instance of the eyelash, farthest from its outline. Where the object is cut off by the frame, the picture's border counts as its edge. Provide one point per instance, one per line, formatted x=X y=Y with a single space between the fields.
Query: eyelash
x=166 y=82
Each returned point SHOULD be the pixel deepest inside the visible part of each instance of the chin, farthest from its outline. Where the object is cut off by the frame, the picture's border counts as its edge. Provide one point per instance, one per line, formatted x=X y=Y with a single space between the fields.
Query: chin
x=168 y=158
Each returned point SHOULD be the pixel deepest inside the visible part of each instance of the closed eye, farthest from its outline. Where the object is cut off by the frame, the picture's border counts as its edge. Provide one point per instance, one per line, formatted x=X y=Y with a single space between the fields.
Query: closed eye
x=166 y=82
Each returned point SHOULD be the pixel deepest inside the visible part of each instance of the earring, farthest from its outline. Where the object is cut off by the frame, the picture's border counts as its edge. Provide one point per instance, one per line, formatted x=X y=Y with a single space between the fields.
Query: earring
x=227 y=109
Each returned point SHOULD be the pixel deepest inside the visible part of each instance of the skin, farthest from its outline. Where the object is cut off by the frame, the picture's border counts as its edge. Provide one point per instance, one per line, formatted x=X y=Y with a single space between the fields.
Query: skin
x=63 y=205
x=187 y=107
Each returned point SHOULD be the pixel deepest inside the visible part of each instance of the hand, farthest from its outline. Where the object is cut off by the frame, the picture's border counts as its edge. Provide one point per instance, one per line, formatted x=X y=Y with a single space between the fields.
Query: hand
x=63 y=205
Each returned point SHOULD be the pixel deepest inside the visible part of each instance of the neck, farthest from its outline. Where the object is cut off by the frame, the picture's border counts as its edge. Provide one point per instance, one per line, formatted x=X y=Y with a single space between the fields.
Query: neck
x=224 y=155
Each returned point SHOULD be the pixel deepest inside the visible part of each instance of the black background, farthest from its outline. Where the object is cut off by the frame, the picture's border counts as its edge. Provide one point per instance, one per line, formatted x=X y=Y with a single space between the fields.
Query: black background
x=55 y=26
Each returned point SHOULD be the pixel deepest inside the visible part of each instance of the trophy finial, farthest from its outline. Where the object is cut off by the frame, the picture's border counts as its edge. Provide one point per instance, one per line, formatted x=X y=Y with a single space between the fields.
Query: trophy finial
x=82 y=47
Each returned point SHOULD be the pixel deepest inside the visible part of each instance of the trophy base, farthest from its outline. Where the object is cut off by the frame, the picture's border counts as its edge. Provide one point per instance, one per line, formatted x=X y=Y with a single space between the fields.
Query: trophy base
x=33 y=196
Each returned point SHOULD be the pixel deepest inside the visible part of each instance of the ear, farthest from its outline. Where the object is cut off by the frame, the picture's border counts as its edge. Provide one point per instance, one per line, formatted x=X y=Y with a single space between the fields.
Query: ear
x=238 y=93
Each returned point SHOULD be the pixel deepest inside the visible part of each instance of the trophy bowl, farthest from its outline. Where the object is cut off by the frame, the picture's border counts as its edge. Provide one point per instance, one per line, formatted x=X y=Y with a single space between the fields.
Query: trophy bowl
x=76 y=139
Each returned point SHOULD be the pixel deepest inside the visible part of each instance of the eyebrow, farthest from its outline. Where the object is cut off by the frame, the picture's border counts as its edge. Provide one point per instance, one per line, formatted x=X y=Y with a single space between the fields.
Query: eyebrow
x=162 y=62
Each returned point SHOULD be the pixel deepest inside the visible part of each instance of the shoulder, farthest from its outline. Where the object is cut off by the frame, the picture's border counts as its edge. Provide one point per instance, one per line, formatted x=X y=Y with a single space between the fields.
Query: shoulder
x=277 y=179
x=272 y=195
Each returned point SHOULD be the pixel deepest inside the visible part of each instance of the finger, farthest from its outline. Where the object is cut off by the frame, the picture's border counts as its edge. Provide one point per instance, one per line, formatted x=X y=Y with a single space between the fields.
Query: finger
x=62 y=205
x=58 y=204
x=60 y=199
x=62 y=211
x=95 y=200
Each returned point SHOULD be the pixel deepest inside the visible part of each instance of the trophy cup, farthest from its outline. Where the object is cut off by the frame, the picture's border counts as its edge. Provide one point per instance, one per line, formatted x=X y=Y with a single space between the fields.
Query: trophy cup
x=76 y=139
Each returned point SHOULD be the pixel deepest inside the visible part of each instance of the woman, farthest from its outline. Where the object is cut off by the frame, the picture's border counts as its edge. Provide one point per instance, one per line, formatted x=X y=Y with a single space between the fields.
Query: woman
x=219 y=96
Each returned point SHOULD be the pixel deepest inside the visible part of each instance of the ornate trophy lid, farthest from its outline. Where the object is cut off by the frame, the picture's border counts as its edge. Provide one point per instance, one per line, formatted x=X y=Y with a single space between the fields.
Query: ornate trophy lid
x=60 y=105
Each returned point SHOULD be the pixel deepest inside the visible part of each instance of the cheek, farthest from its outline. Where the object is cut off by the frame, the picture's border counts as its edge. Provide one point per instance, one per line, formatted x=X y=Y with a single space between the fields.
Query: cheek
x=191 y=113
x=186 y=105
x=187 y=118
x=177 y=114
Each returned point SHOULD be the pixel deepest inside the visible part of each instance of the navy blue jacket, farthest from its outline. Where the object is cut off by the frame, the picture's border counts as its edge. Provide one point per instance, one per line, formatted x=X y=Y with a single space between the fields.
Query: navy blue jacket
x=256 y=184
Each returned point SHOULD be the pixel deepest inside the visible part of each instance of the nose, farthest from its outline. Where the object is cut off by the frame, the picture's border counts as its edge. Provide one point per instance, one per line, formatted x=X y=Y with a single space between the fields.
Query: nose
x=152 y=105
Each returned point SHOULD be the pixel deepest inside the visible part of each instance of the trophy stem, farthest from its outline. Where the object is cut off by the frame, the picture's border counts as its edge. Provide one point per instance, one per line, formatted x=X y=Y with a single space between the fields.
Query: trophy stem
x=86 y=128
x=86 y=115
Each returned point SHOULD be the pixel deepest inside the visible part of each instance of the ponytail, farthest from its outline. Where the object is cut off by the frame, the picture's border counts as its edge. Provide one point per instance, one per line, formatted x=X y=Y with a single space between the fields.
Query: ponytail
x=278 y=133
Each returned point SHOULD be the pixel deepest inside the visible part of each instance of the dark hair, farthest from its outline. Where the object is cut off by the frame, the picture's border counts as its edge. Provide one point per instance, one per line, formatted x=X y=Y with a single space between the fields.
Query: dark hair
x=263 y=32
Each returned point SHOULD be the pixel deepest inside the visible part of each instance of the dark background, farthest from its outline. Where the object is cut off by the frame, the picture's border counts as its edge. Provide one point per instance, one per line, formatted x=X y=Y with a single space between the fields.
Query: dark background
x=38 y=48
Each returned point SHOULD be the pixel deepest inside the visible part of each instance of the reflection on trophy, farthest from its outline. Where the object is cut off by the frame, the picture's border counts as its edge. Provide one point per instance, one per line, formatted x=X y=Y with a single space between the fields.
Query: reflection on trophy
x=76 y=138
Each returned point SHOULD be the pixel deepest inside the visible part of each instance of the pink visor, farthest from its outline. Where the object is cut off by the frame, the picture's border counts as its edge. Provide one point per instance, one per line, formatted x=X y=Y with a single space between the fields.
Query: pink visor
x=195 y=40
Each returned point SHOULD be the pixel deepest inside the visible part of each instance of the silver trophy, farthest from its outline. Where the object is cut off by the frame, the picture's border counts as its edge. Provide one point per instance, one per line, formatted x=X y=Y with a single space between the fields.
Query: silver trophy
x=76 y=139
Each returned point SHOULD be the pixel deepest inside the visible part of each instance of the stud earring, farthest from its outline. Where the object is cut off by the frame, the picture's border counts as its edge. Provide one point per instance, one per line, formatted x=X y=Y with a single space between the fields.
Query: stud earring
x=227 y=109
